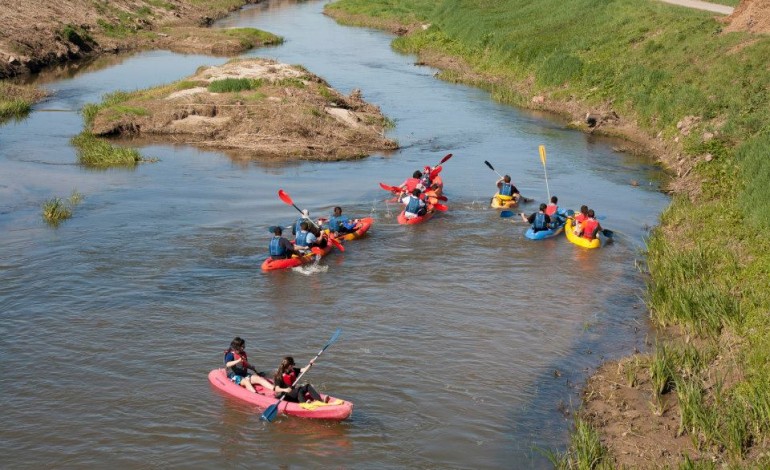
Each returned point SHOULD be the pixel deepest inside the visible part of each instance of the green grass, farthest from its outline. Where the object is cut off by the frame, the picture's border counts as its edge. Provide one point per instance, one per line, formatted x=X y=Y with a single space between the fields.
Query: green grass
x=709 y=261
x=585 y=453
x=232 y=85
x=56 y=210
x=16 y=100
x=98 y=153
x=249 y=37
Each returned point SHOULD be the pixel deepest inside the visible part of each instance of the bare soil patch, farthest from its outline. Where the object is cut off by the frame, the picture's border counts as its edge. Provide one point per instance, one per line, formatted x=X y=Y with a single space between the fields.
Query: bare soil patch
x=37 y=34
x=750 y=15
x=287 y=113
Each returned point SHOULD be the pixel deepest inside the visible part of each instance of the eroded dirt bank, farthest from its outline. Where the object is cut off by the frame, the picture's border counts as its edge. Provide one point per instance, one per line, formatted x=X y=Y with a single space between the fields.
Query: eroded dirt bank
x=251 y=108
x=37 y=34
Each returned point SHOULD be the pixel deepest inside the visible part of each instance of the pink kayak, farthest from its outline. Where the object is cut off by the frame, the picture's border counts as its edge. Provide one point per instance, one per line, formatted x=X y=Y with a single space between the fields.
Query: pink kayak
x=335 y=410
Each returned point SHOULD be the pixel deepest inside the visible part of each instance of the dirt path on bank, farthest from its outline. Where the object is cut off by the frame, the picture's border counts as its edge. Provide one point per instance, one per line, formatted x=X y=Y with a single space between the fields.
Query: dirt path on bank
x=698 y=5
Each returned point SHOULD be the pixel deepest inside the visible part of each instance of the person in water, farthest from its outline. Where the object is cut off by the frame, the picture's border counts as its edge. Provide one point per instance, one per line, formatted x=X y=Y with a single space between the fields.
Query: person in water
x=540 y=220
x=414 y=206
x=286 y=376
x=590 y=226
x=280 y=247
x=237 y=368
x=339 y=224
x=506 y=188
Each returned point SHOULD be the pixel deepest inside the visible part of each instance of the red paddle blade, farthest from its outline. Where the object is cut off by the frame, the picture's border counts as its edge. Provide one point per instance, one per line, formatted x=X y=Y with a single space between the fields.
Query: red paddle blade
x=440 y=207
x=394 y=189
x=434 y=173
x=285 y=197
x=442 y=198
x=336 y=243
x=443 y=160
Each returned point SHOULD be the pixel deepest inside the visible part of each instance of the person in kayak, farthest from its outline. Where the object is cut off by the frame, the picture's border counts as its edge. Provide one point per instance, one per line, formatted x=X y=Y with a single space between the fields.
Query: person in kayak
x=552 y=210
x=306 y=239
x=339 y=224
x=280 y=247
x=237 y=368
x=415 y=182
x=414 y=206
x=506 y=188
x=590 y=226
x=286 y=376
x=305 y=217
x=580 y=218
x=540 y=220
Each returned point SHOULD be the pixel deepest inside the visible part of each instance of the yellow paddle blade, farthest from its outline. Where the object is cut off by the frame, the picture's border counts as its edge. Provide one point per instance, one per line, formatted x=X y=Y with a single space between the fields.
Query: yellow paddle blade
x=542 y=154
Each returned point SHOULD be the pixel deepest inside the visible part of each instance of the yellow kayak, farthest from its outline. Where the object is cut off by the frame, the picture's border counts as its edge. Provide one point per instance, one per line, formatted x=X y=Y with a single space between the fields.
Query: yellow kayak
x=504 y=202
x=577 y=240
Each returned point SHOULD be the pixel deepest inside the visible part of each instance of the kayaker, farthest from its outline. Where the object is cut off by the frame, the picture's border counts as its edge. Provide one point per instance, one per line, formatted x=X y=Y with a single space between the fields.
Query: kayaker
x=338 y=223
x=540 y=220
x=590 y=226
x=237 y=368
x=311 y=225
x=415 y=206
x=287 y=375
x=580 y=218
x=306 y=239
x=552 y=210
x=506 y=188
x=280 y=247
x=415 y=182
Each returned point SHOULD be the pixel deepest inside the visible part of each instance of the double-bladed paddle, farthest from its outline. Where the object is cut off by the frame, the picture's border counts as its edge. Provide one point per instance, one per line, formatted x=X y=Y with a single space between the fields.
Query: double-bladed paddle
x=272 y=411
x=523 y=199
x=396 y=189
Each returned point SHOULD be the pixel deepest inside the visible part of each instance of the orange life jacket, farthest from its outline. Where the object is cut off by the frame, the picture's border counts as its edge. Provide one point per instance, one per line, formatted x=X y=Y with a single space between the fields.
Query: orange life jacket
x=589 y=226
x=551 y=209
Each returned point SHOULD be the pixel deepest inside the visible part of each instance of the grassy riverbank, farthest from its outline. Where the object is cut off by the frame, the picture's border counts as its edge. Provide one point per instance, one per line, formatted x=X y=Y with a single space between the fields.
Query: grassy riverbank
x=698 y=99
x=17 y=100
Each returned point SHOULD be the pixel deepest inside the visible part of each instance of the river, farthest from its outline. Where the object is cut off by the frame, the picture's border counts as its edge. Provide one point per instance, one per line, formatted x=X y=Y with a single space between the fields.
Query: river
x=463 y=343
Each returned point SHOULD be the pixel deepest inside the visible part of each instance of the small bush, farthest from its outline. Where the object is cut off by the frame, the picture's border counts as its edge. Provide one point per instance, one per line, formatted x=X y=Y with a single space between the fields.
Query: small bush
x=232 y=85
x=56 y=210
x=95 y=152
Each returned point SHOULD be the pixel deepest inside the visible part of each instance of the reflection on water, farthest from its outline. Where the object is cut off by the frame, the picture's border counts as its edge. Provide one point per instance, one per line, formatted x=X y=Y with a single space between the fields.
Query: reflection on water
x=452 y=330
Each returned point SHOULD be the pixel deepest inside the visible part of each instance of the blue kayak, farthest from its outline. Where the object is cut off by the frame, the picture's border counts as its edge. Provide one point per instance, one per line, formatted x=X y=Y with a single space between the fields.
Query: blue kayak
x=543 y=234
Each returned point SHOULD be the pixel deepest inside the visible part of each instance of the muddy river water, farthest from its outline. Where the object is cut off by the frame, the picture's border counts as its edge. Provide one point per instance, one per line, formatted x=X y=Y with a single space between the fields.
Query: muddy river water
x=463 y=343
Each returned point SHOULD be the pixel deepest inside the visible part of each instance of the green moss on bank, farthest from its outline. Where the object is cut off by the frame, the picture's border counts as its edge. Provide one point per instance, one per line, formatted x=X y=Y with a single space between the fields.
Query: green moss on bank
x=16 y=100
x=656 y=64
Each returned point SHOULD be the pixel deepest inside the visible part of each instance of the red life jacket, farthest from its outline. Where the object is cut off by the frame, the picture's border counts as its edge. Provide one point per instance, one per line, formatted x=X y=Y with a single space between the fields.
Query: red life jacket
x=580 y=218
x=236 y=355
x=551 y=209
x=589 y=226
x=411 y=184
x=289 y=377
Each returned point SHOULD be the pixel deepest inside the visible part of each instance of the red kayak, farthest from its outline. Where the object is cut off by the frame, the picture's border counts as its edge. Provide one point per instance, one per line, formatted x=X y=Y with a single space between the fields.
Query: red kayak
x=414 y=220
x=335 y=410
x=362 y=226
x=271 y=264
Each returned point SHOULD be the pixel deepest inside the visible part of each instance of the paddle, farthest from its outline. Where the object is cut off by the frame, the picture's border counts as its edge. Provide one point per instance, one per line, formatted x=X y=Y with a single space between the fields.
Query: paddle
x=542 y=159
x=287 y=199
x=336 y=243
x=437 y=169
x=440 y=207
x=492 y=168
x=272 y=411
x=396 y=189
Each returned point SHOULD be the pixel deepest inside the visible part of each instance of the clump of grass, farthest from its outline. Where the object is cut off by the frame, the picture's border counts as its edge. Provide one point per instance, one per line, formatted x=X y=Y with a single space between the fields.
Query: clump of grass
x=98 y=153
x=90 y=110
x=661 y=376
x=249 y=37
x=232 y=85
x=16 y=100
x=586 y=450
x=290 y=82
x=56 y=210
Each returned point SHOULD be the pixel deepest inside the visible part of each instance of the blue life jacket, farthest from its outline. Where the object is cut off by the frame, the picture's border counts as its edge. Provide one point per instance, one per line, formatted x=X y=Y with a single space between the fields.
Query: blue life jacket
x=539 y=222
x=506 y=189
x=276 y=249
x=297 y=224
x=335 y=222
x=413 y=206
x=301 y=239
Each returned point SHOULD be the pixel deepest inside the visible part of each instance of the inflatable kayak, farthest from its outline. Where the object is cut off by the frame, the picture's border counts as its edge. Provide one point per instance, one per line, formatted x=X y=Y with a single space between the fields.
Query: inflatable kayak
x=503 y=202
x=362 y=226
x=577 y=240
x=271 y=264
x=543 y=234
x=335 y=410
